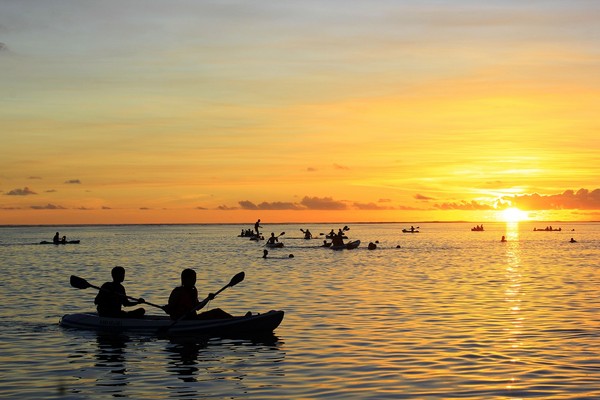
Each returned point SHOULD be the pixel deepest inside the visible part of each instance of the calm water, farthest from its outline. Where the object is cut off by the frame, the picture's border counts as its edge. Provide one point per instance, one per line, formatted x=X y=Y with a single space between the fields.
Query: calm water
x=451 y=314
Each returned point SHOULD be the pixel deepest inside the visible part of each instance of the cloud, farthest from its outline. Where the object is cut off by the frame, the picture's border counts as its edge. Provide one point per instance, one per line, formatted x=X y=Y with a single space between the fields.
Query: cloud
x=323 y=203
x=422 y=197
x=51 y=191
x=343 y=167
x=106 y=208
x=21 y=192
x=48 y=207
x=227 y=208
x=201 y=208
x=73 y=182
x=276 y=205
x=583 y=199
x=384 y=200
x=35 y=177
x=311 y=169
x=464 y=205
x=3 y=47
x=370 y=206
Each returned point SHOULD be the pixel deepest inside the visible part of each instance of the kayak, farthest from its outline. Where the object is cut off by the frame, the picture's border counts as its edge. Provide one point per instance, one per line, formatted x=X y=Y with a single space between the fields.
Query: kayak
x=252 y=325
x=67 y=242
x=274 y=245
x=348 y=246
x=409 y=231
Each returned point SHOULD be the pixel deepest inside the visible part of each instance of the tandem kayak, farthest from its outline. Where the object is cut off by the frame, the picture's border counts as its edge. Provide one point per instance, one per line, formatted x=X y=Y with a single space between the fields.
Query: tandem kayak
x=348 y=246
x=253 y=325
x=67 y=242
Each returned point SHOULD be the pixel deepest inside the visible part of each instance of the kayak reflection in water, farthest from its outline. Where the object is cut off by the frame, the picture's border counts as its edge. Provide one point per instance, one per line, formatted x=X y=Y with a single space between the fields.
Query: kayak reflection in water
x=183 y=300
x=112 y=296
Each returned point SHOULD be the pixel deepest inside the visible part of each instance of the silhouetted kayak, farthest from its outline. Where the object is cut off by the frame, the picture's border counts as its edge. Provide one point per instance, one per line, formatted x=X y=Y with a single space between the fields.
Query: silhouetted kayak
x=67 y=242
x=348 y=246
x=231 y=327
x=274 y=245
x=409 y=231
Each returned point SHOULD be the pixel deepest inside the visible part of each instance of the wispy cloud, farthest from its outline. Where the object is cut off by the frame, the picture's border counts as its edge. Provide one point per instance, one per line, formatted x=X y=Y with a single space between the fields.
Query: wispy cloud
x=422 y=197
x=583 y=199
x=73 y=182
x=464 y=205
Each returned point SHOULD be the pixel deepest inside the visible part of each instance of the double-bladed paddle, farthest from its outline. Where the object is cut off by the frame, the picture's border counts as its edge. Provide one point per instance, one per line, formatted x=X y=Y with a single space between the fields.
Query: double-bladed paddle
x=81 y=283
x=234 y=281
x=281 y=234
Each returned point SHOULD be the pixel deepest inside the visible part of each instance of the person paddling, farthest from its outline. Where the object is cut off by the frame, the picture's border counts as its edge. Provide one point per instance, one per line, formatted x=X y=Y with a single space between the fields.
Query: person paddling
x=273 y=239
x=183 y=300
x=56 y=238
x=112 y=296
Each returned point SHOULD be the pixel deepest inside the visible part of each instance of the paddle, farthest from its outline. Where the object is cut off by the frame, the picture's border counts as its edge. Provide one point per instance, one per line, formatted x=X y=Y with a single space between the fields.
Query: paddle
x=81 y=283
x=234 y=281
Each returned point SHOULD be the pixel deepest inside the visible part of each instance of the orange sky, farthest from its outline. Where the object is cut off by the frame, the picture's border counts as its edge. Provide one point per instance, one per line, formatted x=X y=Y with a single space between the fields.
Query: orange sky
x=308 y=111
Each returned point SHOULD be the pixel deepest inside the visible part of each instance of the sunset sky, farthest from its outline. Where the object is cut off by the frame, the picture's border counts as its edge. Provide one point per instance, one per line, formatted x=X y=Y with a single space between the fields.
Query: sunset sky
x=298 y=111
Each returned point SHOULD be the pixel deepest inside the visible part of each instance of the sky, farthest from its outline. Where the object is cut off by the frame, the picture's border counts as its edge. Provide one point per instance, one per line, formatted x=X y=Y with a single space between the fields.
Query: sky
x=178 y=111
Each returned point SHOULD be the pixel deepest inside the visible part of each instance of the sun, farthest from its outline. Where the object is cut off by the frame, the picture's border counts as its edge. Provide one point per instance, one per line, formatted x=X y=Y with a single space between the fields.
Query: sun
x=513 y=214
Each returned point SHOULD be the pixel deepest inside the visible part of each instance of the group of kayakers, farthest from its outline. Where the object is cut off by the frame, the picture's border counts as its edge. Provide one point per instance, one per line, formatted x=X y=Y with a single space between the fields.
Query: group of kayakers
x=183 y=300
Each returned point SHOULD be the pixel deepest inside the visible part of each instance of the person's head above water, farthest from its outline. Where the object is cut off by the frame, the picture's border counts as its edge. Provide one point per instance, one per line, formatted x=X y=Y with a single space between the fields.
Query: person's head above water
x=188 y=277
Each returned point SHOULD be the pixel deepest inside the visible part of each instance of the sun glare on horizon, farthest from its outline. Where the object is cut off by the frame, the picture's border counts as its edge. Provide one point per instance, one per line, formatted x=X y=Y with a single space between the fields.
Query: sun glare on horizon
x=513 y=214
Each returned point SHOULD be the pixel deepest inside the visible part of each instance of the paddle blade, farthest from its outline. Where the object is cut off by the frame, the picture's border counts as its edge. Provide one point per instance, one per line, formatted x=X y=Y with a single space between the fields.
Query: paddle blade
x=237 y=279
x=282 y=233
x=79 y=283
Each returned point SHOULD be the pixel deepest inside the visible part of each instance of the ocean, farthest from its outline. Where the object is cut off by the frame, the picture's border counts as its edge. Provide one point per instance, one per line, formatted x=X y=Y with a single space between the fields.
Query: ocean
x=445 y=313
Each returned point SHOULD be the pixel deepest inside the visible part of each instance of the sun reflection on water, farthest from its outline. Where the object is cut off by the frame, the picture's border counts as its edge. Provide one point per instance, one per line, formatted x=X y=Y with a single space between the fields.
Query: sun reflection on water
x=513 y=297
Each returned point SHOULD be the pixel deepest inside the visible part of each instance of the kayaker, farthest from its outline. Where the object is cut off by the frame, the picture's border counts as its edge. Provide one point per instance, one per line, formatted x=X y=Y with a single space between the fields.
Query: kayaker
x=265 y=253
x=503 y=239
x=307 y=234
x=56 y=238
x=183 y=300
x=573 y=240
x=112 y=296
x=337 y=240
x=272 y=239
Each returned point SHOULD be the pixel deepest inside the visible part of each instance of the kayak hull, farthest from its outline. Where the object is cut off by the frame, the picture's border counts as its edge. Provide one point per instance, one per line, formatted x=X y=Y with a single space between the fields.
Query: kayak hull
x=67 y=242
x=409 y=231
x=274 y=245
x=254 y=325
x=347 y=246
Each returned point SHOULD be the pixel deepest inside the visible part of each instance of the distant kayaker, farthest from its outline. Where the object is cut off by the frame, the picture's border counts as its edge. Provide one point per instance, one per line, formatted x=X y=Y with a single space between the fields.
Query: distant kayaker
x=256 y=226
x=307 y=234
x=337 y=240
x=63 y=240
x=112 y=296
x=503 y=239
x=56 y=238
x=572 y=241
x=183 y=300
x=272 y=239
x=265 y=253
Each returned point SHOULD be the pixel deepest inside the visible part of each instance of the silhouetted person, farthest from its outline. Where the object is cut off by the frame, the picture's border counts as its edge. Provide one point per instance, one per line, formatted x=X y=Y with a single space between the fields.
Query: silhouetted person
x=265 y=253
x=273 y=239
x=183 y=300
x=256 y=226
x=337 y=240
x=56 y=238
x=63 y=240
x=112 y=296
x=573 y=240
x=503 y=239
x=372 y=246
x=307 y=234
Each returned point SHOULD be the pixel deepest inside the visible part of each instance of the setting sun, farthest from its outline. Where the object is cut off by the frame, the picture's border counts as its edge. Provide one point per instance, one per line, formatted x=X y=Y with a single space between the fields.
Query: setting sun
x=513 y=215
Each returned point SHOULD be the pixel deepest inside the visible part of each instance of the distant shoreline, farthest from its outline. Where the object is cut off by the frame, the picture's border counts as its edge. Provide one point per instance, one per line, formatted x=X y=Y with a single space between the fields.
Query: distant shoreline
x=291 y=223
